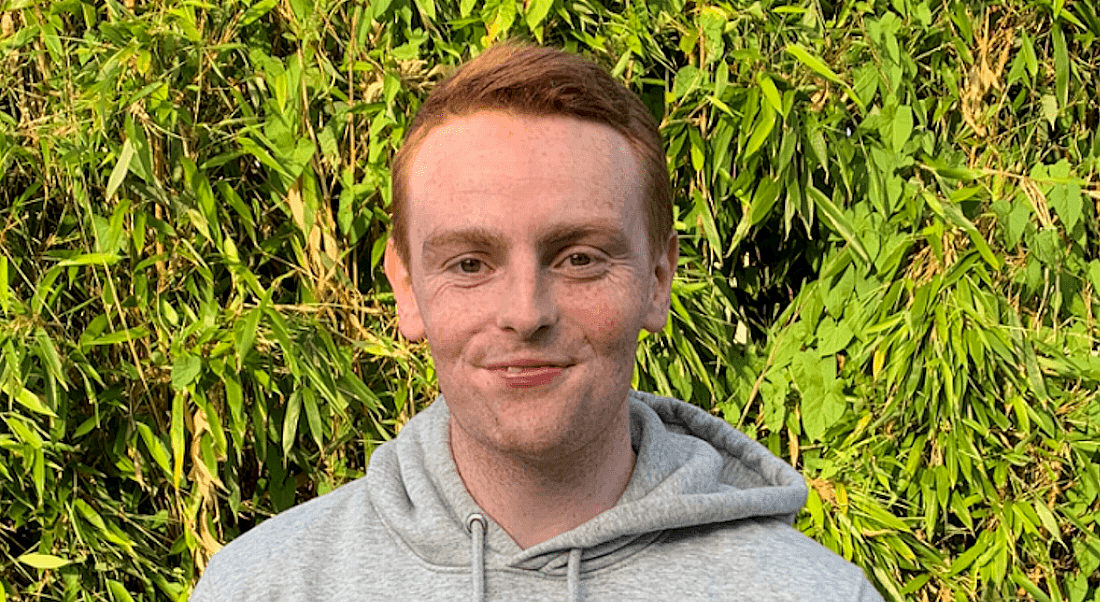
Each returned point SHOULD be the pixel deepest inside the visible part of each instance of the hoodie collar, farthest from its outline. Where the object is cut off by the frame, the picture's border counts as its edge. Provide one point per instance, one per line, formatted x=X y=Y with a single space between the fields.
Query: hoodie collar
x=691 y=469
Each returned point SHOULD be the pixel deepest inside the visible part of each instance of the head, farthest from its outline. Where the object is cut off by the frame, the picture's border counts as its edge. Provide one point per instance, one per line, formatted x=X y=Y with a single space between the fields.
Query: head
x=537 y=81
x=533 y=252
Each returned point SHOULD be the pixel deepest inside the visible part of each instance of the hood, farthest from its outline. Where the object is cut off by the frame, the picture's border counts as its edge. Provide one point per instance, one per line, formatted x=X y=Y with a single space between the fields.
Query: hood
x=691 y=469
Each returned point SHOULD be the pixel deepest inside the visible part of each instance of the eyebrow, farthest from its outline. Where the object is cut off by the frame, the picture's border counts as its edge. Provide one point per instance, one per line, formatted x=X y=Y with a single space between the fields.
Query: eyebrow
x=566 y=234
x=555 y=237
x=473 y=236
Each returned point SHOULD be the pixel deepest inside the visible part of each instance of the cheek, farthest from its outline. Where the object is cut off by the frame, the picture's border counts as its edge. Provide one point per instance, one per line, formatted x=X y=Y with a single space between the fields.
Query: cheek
x=610 y=322
x=449 y=321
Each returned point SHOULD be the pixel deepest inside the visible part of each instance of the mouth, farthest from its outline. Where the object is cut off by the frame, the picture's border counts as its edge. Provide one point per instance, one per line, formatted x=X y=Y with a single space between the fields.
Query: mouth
x=527 y=373
x=524 y=369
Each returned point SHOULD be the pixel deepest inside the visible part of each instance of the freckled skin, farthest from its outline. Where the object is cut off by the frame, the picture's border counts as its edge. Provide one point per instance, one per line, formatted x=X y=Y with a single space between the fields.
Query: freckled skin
x=528 y=240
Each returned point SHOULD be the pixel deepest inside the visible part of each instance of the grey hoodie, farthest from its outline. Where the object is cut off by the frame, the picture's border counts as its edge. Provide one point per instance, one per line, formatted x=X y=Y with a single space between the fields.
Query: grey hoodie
x=706 y=516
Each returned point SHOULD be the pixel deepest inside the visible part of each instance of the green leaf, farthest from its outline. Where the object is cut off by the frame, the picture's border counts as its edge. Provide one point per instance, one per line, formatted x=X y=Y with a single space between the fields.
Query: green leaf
x=839 y=222
x=5 y=292
x=902 y=127
x=760 y=132
x=1065 y=197
x=1050 y=108
x=814 y=63
x=1061 y=66
x=157 y=449
x=767 y=193
x=1028 y=50
x=706 y=219
x=771 y=93
x=176 y=433
x=122 y=167
x=185 y=370
x=290 y=421
x=24 y=431
x=313 y=418
x=964 y=560
x=118 y=591
x=47 y=352
x=687 y=79
x=1048 y=521
x=257 y=10
x=246 y=334
x=44 y=561
x=28 y=399
x=427 y=8
x=501 y=22
x=536 y=13
x=119 y=336
x=103 y=259
x=1017 y=221
x=823 y=402
x=712 y=22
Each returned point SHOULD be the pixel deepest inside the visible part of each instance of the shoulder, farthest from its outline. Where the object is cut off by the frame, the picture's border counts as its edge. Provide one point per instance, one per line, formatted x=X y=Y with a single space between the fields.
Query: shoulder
x=767 y=557
x=298 y=540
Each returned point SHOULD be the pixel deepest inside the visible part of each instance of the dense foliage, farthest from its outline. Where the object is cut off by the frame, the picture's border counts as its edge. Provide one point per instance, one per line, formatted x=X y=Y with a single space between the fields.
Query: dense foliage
x=890 y=268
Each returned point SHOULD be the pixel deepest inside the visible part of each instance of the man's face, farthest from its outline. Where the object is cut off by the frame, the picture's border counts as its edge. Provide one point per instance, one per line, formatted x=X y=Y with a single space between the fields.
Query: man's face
x=530 y=274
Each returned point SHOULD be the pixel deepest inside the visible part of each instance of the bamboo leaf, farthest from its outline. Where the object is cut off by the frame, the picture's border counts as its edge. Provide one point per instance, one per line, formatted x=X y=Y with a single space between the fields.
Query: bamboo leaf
x=257 y=10
x=156 y=447
x=1061 y=66
x=771 y=93
x=687 y=79
x=5 y=291
x=176 y=435
x=185 y=370
x=902 y=127
x=427 y=8
x=102 y=259
x=28 y=399
x=122 y=167
x=44 y=561
x=761 y=130
x=814 y=63
x=313 y=418
x=839 y=223
x=537 y=12
x=290 y=421
x=118 y=591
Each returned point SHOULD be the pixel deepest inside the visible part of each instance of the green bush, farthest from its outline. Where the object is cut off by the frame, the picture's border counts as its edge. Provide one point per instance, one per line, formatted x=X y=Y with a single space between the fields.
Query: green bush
x=889 y=270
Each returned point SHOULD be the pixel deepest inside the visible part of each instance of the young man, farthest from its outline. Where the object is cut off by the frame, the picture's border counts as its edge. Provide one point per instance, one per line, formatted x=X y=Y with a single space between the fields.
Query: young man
x=532 y=242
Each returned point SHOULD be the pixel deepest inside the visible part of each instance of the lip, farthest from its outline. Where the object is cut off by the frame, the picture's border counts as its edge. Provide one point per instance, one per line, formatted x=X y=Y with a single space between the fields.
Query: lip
x=527 y=372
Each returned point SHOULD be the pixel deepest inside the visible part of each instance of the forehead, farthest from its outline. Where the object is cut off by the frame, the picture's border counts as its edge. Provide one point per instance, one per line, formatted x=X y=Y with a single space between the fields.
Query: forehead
x=461 y=146
x=491 y=167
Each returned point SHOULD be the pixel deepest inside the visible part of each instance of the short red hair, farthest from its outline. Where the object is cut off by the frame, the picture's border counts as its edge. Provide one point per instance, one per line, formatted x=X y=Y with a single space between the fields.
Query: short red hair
x=537 y=81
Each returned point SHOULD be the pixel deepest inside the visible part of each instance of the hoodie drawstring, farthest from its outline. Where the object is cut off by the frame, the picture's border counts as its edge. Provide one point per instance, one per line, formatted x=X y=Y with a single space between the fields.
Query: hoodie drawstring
x=477 y=561
x=477 y=554
x=574 y=575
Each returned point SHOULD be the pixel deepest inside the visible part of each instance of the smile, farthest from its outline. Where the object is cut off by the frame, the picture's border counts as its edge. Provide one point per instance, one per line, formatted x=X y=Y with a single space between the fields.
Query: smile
x=520 y=369
x=525 y=376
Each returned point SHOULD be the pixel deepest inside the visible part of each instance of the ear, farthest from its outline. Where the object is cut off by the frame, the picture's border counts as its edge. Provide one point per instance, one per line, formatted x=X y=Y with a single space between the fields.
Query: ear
x=664 y=268
x=408 y=312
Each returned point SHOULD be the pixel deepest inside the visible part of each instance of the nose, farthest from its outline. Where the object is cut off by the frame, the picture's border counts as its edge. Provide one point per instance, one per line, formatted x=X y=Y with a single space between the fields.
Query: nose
x=526 y=304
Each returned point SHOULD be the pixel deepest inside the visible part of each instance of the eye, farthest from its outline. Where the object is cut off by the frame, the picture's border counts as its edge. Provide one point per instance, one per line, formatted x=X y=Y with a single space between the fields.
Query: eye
x=579 y=260
x=583 y=264
x=470 y=265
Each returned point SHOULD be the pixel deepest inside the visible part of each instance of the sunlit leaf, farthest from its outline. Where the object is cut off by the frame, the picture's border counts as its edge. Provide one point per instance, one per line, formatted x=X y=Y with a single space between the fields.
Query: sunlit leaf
x=43 y=561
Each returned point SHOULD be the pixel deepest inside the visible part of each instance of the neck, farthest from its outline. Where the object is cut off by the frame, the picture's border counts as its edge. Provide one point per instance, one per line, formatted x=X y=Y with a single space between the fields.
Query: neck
x=536 y=499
